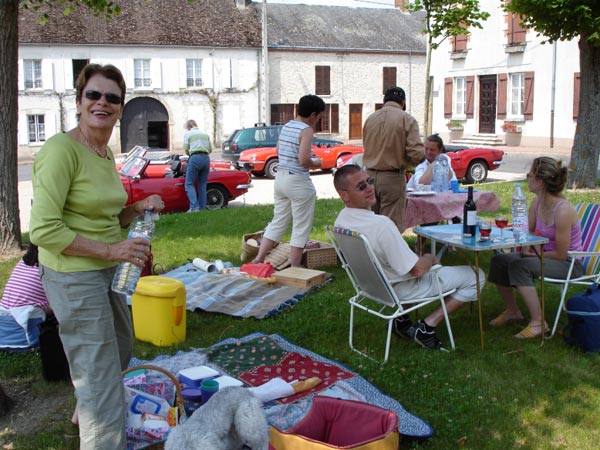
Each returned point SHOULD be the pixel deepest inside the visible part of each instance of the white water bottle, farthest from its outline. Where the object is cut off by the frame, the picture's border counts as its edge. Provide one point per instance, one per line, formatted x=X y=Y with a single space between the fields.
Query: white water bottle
x=445 y=177
x=436 y=179
x=519 y=214
x=128 y=274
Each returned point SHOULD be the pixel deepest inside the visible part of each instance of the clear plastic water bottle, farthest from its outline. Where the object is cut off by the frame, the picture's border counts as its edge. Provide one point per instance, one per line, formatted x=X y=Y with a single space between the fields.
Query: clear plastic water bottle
x=128 y=274
x=519 y=214
x=445 y=178
x=436 y=179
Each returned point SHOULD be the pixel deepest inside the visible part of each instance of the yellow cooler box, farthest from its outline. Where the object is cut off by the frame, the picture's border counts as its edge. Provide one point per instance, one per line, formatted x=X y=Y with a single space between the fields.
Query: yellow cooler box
x=158 y=306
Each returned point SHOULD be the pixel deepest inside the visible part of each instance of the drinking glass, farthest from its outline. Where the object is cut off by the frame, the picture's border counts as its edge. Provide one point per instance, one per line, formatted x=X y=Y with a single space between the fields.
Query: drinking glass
x=501 y=222
x=485 y=229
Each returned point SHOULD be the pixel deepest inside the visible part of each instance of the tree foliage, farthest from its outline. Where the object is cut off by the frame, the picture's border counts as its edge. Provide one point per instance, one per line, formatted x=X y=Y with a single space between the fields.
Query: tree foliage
x=560 y=19
x=444 y=19
x=98 y=7
x=569 y=19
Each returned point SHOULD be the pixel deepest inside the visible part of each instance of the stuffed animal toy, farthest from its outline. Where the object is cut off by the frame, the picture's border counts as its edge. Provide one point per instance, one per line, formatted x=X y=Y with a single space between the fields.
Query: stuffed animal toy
x=232 y=419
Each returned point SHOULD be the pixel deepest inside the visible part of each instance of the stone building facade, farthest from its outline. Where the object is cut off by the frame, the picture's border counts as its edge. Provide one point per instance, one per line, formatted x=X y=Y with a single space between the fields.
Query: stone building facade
x=178 y=65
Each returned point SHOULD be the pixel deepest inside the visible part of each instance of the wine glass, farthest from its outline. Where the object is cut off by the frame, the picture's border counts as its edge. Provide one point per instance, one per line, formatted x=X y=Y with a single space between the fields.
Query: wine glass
x=485 y=229
x=501 y=222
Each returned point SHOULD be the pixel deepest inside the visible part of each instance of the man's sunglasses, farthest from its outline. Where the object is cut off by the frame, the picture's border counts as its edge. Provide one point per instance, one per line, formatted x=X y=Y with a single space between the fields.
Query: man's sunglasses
x=362 y=185
x=110 y=98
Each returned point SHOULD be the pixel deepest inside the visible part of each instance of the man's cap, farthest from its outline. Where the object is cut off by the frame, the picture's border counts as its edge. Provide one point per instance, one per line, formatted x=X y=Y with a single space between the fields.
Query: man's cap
x=395 y=93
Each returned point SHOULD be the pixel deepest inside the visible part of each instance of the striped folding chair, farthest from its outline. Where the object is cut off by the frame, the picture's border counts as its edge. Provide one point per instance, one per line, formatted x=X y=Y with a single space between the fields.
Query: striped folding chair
x=589 y=215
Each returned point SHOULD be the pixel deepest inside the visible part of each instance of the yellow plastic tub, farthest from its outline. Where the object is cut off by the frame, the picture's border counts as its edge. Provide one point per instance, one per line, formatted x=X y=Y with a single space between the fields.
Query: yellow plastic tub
x=158 y=307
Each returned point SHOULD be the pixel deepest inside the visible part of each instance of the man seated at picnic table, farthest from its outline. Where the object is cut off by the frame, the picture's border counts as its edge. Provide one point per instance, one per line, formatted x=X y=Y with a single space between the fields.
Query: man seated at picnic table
x=434 y=147
x=355 y=188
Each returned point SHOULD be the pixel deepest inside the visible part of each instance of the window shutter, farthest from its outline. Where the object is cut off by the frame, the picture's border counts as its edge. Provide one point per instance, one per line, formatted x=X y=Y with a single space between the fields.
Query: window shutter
x=501 y=104
x=335 y=118
x=448 y=85
x=322 y=82
x=516 y=33
x=470 y=105
x=460 y=42
x=528 y=96
x=389 y=78
x=519 y=31
x=576 y=90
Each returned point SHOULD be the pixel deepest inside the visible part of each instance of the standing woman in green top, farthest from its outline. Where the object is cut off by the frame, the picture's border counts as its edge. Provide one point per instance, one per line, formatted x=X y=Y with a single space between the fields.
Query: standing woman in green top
x=76 y=219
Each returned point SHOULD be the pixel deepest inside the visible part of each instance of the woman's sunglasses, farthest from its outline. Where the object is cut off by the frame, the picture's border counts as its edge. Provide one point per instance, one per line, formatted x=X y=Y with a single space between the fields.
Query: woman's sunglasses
x=362 y=185
x=110 y=98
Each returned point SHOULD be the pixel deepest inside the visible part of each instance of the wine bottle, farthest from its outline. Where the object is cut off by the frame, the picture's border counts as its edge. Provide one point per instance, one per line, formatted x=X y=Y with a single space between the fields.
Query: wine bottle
x=469 y=215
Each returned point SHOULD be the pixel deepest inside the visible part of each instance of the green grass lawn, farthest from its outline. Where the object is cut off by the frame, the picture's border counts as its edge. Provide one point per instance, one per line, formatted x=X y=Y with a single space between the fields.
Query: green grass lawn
x=512 y=395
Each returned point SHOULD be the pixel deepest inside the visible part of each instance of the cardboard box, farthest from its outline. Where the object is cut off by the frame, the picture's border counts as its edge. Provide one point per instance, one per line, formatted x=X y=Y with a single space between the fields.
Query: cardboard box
x=298 y=277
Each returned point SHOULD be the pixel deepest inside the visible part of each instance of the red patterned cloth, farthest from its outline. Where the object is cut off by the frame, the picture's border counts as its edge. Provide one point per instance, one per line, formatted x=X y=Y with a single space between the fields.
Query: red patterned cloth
x=297 y=367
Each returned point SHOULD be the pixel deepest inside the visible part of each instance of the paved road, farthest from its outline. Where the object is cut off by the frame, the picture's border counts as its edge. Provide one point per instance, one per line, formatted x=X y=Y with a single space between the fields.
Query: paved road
x=516 y=166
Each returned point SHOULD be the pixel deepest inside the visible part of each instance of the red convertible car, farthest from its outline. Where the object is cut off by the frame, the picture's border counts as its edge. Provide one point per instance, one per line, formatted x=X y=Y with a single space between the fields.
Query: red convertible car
x=470 y=164
x=223 y=185
x=264 y=161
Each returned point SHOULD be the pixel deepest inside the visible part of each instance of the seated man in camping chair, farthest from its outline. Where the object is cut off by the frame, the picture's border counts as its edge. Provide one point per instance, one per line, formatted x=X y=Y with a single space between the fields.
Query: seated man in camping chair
x=355 y=188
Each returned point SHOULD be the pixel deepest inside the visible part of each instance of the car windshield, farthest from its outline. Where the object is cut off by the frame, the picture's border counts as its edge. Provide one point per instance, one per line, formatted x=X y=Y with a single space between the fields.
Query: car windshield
x=134 y=167
x=136 y=152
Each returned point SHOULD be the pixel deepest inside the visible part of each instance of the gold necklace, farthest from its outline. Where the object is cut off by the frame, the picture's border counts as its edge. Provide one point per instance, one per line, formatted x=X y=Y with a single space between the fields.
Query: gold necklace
x=93 y=147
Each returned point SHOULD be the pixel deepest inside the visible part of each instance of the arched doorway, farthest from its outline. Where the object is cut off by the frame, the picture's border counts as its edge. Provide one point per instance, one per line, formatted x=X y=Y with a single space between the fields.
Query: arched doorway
x=145 y=121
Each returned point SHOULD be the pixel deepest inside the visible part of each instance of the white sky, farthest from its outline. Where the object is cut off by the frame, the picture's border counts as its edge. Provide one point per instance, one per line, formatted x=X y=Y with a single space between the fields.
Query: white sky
x=355 y=3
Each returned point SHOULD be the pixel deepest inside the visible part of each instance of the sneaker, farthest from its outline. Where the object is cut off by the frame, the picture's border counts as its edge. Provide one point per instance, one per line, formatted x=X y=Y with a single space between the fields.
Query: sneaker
x=401 y=325
x=427 y=339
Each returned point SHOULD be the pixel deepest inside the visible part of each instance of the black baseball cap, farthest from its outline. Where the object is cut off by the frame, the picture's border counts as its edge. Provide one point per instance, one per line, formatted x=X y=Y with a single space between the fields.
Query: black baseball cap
x=394 y=94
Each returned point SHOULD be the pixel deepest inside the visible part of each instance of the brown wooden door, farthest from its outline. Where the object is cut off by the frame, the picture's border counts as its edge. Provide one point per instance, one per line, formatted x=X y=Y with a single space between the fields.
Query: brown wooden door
x=487 y=104
x=355 y=121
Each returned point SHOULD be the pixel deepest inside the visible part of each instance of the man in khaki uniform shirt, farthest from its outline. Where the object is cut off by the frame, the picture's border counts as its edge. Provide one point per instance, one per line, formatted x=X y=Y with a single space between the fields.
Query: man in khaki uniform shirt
x=391 y=144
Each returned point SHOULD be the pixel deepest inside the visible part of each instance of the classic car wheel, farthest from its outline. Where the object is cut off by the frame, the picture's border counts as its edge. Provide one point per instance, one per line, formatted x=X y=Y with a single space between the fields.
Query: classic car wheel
x=217 y=197
x=271 y=168
x=477 y=171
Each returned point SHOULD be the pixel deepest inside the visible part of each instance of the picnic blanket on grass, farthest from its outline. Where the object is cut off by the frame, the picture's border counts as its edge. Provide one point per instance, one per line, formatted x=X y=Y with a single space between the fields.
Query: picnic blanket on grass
x=233 y=294
x=258 y=357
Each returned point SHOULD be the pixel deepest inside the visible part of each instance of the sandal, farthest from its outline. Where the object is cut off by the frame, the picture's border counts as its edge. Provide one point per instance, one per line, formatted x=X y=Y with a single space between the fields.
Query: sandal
x=527 y=333
x=503 y=320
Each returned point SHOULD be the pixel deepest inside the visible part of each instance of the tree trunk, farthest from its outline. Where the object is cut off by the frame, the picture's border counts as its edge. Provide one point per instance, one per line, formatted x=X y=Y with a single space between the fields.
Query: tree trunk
x=10 y=227
x=426 y=118
x=586 y=145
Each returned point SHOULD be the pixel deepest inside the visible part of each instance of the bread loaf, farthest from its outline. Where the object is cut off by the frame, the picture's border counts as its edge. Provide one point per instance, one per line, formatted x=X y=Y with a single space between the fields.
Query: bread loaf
x=307 y=384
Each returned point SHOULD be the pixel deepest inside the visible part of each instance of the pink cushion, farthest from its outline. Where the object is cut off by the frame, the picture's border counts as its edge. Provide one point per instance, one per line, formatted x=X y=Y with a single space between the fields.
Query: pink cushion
x=340 y=424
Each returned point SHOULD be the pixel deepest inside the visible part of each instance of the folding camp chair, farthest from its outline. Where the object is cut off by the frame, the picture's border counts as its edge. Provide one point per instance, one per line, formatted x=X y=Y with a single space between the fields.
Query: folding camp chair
x=374 y=291
x=589 y=215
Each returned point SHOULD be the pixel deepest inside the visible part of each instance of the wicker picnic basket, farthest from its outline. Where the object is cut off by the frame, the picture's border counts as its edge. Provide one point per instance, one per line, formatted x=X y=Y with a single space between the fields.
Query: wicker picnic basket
x=249 y=252
x=319 y=257
x=159 y=445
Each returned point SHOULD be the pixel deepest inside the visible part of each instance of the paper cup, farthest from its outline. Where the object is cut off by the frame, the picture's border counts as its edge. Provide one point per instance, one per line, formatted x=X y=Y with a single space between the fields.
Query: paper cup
x=208 y=389
x=219 y=266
